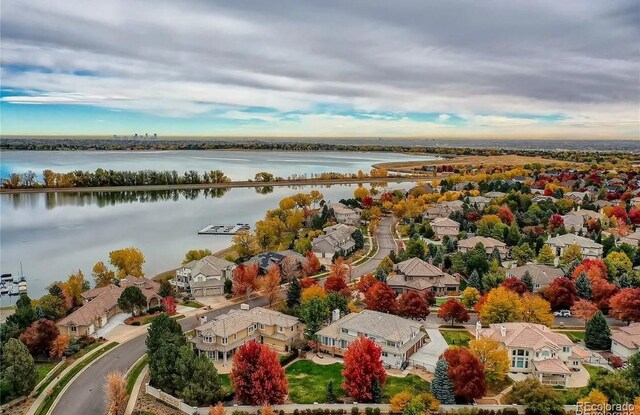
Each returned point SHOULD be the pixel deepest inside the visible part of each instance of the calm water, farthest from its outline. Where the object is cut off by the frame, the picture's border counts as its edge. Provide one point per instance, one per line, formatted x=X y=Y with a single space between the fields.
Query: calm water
x=55 y=234
x=238 y=165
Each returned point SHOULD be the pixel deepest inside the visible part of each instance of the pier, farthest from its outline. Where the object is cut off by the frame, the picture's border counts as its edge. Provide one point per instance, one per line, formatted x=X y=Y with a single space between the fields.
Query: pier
x=224 y=229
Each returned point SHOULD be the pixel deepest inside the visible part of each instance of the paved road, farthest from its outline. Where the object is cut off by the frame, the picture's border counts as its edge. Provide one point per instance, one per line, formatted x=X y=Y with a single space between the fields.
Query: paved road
x=85 y=394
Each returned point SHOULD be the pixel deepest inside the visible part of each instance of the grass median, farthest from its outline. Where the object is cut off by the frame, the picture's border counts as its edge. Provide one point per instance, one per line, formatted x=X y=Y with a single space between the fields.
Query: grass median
x=135 y=372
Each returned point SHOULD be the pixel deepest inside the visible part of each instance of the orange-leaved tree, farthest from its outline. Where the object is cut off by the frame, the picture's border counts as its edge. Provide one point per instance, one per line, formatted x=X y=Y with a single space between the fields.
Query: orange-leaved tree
x=257 y=376
x=362 y=369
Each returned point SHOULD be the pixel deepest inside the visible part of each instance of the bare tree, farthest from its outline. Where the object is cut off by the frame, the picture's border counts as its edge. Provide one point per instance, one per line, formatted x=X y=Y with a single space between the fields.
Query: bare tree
x=116 y=393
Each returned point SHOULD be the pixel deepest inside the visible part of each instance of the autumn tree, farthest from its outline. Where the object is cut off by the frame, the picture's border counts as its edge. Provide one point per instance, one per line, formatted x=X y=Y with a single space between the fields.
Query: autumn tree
x=584 y=310
x=290 y=268
x=40 y=335
x=602 y=292
x=470 y=297
x=617 y=263
x=362 y=368
x=314 y=312
x=494 y=358
x=625 y=305
x=128 y=261
x=270 y=284
x=217 y=410
x=132 y=300
x=597 y=334
x=257 y=376
x=314 y=291
x=380 y=297
x=19 y=374
x=453 y=311
x=245 y=244
x=115 y=390
x=102 y=276
x=561 y=293
x=169 y=305
x=467 y=374
x=515 y=285
x=412 y=305
x=195 y=255
x=546 y=255
x=400 y=400
x=245 y=279
x=339 y=269
x=429 y=297
x=501 y=306
x=52 y=307
x=571 y=253
x=58 y=346
x=311 y=264
x=365 y=282
x=536 y=310
x=442 y=386
x=73 y=288
x=335 y=284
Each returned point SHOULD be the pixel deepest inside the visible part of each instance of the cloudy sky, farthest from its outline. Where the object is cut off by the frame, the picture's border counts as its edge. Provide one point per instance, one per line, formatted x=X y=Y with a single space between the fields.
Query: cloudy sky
x=500 y=69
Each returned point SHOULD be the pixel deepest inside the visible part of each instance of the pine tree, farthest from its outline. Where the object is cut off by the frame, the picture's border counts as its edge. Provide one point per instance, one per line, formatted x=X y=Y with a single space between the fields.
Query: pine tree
x=528 y=281
x=442 y=387
x=376 y=391
x=495 y=255
x=474 y=281
x=438 y=258
x=598 y=334
x=381 y=275
x=18 y=369
x=293 y=293
x=331 y=394
x=228 y=286
x=623 y=281
x=583 y=286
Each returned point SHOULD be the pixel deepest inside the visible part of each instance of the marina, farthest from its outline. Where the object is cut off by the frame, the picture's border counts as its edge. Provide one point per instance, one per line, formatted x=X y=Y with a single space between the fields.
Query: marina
x=224 y=229
x=12 y=286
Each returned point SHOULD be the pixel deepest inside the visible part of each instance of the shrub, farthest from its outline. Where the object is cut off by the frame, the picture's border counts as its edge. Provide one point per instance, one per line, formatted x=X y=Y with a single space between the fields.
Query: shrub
x=616 y=362
x=355 y=411
x=155 y=309
x=510 y=411
x=86 y=340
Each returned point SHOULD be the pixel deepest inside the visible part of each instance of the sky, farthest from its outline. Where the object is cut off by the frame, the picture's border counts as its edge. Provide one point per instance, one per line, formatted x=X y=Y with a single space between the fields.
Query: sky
x=433 y=69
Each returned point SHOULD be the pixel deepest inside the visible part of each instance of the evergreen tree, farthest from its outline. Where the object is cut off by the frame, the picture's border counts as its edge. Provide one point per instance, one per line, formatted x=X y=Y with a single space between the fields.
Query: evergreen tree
x=376 y=391
x=441 y=386
x=598 y=334
x=438 y=258
x=228 y=286
x=132 y=300
x=293 y=293
x=166 y=290
x=474 y=281
x=381 y=275
x=163 y=329
x=358 y=238
x=623 y=281
x=528 y=281
x=572 y=267
x=203 y=384
x=608 y=244
x=331 y=394
x=495 y=256
x=18 y=369
x=583 y=286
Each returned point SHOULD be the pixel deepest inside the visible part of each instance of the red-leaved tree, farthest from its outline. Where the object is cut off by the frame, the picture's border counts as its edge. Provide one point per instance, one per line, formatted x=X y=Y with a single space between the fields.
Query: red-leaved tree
x=412 y=305
x=601 y=292
x=307 y=282
x=39 y=336
x=593 y=267
x=625 y=305
x=257 y=376
x=362 y=366
x=430 y=297
x=365 y=282
x=505 y=215
x=335 y=284
x=380 y=297
x=169 y=305
x=584 y=309
x=515 y=285
x=453 y=311
x=555 y=222
x=561 y=294
x=245 y=279
x=311 y=264
x=634 y=215
x=467 y=374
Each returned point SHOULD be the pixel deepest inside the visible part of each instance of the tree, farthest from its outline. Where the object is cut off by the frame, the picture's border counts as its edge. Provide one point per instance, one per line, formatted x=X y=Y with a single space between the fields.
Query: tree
x=331 y=394
x=128 y=261
x=546 y=256
x=132 y=300
x=412 y=305
x=617 y=263
x=166 y=289
x=293 y=293
x=380 y=297
x=217 y=410
x=400 y=400
x=18 y=369
x=442 y=386
x=358 y=238
x=536 y=310
x=245 y=279
x=537 y=398
x=311 y=264
x=40 y=335
x=58 y=346
x=102 y=276
x=169 y=305
x=365 y=282
x=584 y=310
x=116 y=393
x=501 y=306
x=561 y=293
x=470 y=297
x=506 y=216
x=467 y=374
x=476 y=260
x=515 y=285
x=617 y=386
x=571 y=253
x=202 y=385
x=430 y=297
x=339 y=269
x=522 y=254
x=257 y=376
x=195 y=255
x=245 y=244
x=595 y=397
x=312 y=292
x=24 y=314
x=528 y=281
x=376 y=391
x=163 y=330
x=625 y=305
x=494 y=358
x=362 y=367
x=597 y=334
x=338 y=301
x=290 y=268
x=453 y=311
x=602 y=292
x=270 y=284
x=314 y=312
x=73 y=288
x=583 y=286
x=335 y=284
x=475 y=281
x=52 y=307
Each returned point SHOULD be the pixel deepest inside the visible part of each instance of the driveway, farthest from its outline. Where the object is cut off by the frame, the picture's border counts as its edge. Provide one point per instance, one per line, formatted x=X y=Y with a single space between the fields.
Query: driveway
x=112 y=324
x=427 y=356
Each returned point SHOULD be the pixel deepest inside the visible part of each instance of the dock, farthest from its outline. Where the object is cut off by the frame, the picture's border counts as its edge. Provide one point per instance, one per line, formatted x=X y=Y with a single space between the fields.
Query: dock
x=224 y=229
x=12 y=286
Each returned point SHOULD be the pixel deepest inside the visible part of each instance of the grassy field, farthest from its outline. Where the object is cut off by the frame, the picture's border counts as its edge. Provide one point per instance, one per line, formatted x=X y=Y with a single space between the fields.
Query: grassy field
x=457 y=337
x=308 y=382
x=226 y=382
x=43 y=368
x=595 y=370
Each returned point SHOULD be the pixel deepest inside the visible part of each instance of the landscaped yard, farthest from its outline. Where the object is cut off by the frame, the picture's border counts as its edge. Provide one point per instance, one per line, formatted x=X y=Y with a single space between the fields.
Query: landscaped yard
x=574 y=335
x=308 y=382
x=595 y=370
x=225 y=380
x=441 y=300
x=43 y=368
x=456 y=337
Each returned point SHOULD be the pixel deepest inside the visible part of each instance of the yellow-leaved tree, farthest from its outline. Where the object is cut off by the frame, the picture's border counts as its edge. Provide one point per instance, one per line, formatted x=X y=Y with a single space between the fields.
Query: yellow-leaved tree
x=494 y=357
x=501 y=306
x=128 y=261
x=536 y=309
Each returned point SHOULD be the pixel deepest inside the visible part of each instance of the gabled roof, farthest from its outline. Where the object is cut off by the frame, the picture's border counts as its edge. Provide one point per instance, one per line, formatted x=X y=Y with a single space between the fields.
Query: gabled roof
x=237 y=320
x=628 y=336
x=416 y=267
x=570 y=239
x=527 y=335
x=487 y=242
x=541 y=274
x=374 y=323
x=445 y=222
x=209 y=266
x=551 y=366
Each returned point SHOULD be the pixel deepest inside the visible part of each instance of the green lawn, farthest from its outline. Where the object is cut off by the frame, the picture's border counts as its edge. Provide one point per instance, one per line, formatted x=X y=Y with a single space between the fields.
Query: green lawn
x=457 y=337
x=135 y=372
x=193 y=304
x=43 y=368
x=595 y=370
x=226 y=382
x=308 y=382
x=574 y=335
x=441 y=300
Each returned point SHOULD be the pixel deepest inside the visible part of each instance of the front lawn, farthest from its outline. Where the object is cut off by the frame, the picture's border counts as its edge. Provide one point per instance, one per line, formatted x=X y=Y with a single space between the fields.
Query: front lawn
x=595 y=370
x=574 y=335
x=193 y=304
x=225 y=380
x=411 y=383
x=457 y=337
x=43 y=368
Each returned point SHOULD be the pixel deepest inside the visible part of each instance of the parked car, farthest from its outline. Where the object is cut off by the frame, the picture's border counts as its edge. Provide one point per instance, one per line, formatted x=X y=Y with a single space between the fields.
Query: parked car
x=562 y=313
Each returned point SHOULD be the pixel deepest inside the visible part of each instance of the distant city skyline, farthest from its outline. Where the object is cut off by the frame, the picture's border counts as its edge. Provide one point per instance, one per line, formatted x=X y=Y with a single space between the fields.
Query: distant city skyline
x=539 y=70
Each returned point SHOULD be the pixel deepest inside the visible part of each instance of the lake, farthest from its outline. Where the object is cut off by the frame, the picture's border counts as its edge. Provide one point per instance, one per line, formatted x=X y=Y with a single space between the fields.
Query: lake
x=55 y=234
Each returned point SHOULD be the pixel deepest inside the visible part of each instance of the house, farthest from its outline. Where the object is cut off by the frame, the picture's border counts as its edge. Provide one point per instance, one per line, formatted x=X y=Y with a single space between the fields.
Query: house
x=398 y=337
x=100 y=304
x=585 y=214
x=632 y=239
x=479 y=202
x=344 y=214
x=204 y=277
x=443 y=210
x=543 y=198
x=541 y=275
x=573 y=223
x=535 y=349
x=337 y=238
x=625 y=341
x=445 y=227
x=466 y=245
x=589 y=248
x=577 y=197
x=494 y=195
x=417 y=275
x=220 y=338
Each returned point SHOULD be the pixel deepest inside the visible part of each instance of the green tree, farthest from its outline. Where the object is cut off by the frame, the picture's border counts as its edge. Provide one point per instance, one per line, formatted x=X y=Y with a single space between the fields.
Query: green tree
x=195 y=255
x=358 y=238
x=166 y=289
x=538 y=399
x=336 y=300
x=314 y=313
x=163 y=329
x=522 y=254
x=376 y=391
x=476 y=260
x=442 y=386
x=331 y=394
x=475 y=281
x=513 y=236
x=527 y=280
x=202 y=386
x=24 y=314
x=293 y=293
x=163 y=368
x=618 y=387
x=18 y=369
x=228 y=286
x=597 y=334
x=546 y=256
x=132 y=300
x=583 y=286
x=52 y=307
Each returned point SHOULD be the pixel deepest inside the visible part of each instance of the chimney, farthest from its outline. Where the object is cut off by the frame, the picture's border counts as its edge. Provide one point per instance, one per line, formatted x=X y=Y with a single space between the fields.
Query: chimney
x=478 y=327
x=335 y=315
x=503 y=331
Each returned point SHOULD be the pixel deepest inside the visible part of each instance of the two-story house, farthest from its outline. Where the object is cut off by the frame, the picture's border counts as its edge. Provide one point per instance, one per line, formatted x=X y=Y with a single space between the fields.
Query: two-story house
x=542 y=275
x=337 y=238
x=345 y=214
x=588 y=247
x=443 y=210
x=414 y=274
x=204 y=277
x=535 y=349
x=479 y=202
x=220 y=338
x=398 y=337
x=466 y=245
x=445 y=227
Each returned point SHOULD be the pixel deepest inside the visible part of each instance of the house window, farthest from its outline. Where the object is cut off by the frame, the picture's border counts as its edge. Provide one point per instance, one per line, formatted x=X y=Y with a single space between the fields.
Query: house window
x=261 y=326
x=545 y=353
x=392 y=344
x=73 y=329
x=252 y=328
x=385 y=354
x=566 y=349
x=292 y=329
x=280 y=329
x=345 y=331
x=224 y=340
x=520 y=359
x=235 y=336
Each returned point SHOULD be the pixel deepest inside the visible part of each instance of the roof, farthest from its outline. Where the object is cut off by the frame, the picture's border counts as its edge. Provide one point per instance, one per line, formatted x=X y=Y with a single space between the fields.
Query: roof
x=628 y=336
x=416 y=267
x=374 y=323
x=573 y=221
x=552 y=366
x=479 y=199
x=94 y=292
x=336 y=238
x=494 y=194
x=209 y=266
x=339 y=208
x=445 y=222
x=541 y=274
x=265 y=259
x=237 y=320
x=422 y=283
x=487 y=242
x=527 y=335
x=570 y=239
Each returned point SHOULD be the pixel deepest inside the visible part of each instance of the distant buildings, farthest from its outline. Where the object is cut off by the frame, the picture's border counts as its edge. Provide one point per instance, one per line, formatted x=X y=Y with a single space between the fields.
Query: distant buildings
x=344 y=214
x=337 y=238
x=445 y=227
x=443 y=210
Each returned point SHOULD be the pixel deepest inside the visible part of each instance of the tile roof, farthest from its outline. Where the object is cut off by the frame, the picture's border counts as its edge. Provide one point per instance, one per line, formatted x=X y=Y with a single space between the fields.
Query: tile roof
x=570 y=239
x=552 y=366
x=628 y=336
x=527 y=335
x=237 y=320
x=416 y=267
x=209 y=266
x=445 y=222
x=487 y=242
x=541 y=274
